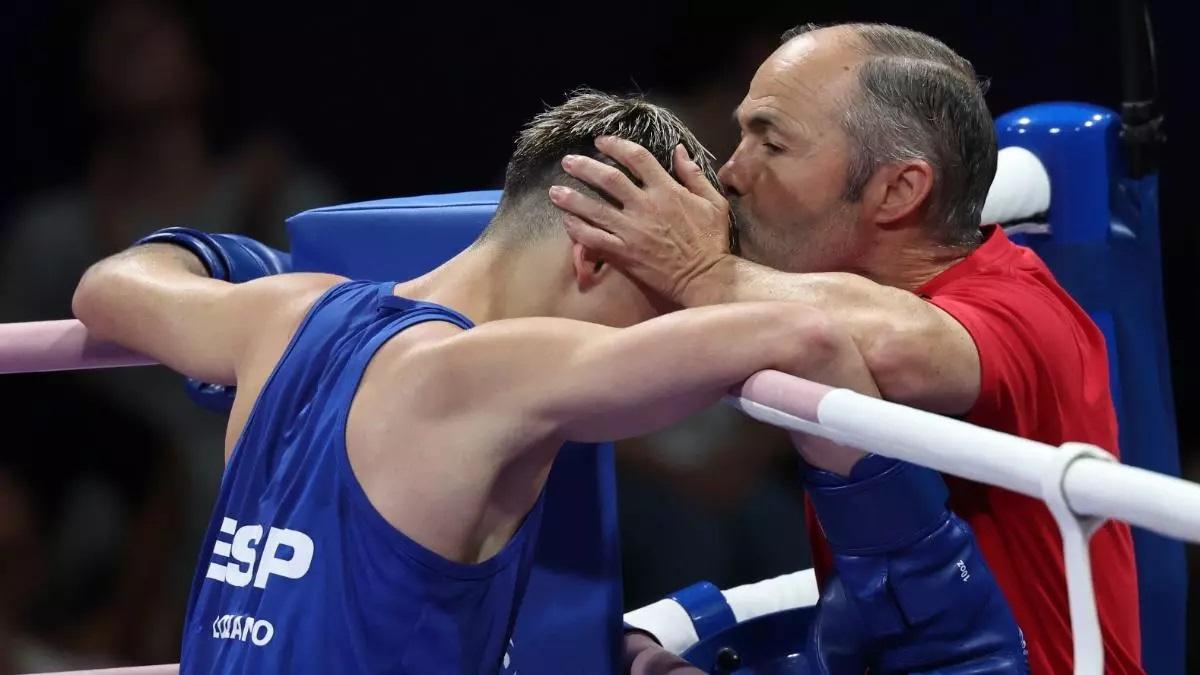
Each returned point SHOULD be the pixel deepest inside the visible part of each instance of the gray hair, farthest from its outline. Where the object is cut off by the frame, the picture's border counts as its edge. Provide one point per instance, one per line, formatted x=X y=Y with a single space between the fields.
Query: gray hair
x=525 y=211
x=918 y=99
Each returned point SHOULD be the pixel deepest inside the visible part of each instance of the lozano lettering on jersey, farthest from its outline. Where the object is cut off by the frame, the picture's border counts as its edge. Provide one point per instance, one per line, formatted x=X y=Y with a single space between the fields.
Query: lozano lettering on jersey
x=238 y=627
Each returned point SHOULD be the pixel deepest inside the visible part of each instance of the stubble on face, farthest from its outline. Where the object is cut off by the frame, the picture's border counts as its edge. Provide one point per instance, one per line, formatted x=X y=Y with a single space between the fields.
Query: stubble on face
x=806 y=242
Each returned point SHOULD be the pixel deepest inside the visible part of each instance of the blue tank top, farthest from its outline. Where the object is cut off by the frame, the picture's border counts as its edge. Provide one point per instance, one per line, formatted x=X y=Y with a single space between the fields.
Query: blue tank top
x=298 y=572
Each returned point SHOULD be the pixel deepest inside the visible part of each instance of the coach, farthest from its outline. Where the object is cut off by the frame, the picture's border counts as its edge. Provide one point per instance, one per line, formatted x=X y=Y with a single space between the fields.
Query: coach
x=866 y=154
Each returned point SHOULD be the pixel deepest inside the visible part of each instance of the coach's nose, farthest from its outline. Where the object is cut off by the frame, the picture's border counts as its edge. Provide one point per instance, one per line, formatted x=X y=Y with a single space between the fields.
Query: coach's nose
x=734 y=174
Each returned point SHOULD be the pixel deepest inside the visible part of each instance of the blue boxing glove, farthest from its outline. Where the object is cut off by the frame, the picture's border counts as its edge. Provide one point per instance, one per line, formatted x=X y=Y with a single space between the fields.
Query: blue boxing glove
x=912 y=591
x=228 y=257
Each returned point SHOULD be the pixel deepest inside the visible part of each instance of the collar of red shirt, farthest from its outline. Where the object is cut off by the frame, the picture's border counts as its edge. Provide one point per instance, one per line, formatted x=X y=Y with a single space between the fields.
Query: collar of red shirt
x=995 y=244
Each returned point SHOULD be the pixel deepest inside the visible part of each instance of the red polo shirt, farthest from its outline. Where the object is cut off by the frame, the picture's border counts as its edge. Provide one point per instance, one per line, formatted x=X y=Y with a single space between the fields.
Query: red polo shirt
x=1044 y=376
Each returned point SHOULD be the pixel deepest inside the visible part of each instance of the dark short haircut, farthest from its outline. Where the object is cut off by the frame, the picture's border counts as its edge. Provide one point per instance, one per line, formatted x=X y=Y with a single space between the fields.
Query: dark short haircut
x=525 y=212
x=918 y=99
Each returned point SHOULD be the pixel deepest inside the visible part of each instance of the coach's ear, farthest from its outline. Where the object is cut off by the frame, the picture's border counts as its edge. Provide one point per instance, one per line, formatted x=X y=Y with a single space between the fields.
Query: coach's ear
x=898 y=190
x=589 y=267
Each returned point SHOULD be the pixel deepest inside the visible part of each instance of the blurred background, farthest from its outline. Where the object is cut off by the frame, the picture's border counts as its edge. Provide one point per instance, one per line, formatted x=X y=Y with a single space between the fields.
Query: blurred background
x=129 y=115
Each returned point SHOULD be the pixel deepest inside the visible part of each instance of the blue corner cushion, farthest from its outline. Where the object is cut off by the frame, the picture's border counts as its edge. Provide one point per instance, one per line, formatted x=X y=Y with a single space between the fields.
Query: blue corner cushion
x=389 y=239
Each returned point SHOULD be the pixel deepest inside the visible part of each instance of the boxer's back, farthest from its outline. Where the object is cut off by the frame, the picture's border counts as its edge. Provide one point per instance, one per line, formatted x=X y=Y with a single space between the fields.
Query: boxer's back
x=299 y=572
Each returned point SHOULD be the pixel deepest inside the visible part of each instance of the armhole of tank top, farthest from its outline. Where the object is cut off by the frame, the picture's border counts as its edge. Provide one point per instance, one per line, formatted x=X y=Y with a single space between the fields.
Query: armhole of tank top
x=410 y=547
x=292 y=342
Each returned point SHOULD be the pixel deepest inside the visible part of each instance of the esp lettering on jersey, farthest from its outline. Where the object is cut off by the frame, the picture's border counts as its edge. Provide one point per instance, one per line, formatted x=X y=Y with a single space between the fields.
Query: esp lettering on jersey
x=244 y=549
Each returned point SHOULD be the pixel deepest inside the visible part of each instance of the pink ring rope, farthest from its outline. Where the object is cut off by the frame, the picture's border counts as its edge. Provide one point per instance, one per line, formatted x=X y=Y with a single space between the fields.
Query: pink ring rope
x=43 y=346
x=165 y=669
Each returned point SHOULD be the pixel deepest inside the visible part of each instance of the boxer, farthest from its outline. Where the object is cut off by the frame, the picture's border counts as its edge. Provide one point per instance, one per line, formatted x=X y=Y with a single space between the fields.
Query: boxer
x=388 y=443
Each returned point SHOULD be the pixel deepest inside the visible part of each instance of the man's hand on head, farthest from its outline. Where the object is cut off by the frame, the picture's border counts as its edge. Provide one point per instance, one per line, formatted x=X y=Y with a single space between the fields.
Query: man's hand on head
x=665 y=232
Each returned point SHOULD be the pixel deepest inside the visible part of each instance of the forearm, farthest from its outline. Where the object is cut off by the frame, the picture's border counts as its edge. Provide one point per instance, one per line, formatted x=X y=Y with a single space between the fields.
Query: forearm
x=917 y=354
x=735 y=279
x=864 y=310
x=654 y=374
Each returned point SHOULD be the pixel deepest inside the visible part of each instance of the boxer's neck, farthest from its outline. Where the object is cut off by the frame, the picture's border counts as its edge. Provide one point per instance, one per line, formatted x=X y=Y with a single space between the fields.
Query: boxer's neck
x=489 y=281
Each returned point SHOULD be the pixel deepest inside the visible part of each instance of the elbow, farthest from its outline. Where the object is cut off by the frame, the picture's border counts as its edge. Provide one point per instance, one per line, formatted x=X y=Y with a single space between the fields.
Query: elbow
x=810 y=339
x=87 y=304
x=895 y=355
x=83 y=301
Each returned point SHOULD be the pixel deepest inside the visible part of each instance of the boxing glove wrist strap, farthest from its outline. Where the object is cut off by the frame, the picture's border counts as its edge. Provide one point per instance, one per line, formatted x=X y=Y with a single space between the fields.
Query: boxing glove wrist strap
x=199 y=243
x=883 y=506
x=706 y=606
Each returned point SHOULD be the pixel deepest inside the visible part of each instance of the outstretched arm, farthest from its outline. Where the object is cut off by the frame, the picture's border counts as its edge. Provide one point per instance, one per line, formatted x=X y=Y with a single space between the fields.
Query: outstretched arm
x=585 y=382
x=158 y=300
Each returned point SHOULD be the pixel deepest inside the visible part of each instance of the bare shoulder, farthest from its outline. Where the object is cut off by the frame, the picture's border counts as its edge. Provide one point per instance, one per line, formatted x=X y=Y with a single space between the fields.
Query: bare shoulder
x=284 y=297
x=276 y=305
x=273 y=307
x=284 y=290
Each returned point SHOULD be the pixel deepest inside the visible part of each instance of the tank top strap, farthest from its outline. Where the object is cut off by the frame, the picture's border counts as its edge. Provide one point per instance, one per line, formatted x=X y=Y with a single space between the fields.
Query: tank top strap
x=388 y=301
x=339 y=334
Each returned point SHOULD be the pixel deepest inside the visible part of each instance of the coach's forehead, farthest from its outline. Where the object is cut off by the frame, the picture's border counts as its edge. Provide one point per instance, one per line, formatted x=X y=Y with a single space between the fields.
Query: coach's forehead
x=810 y=73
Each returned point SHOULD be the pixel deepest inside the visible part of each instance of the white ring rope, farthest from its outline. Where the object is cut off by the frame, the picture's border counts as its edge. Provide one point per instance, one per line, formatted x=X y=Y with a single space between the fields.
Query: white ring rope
x=1081 y=483
x=1092 y=487
x=670 y=624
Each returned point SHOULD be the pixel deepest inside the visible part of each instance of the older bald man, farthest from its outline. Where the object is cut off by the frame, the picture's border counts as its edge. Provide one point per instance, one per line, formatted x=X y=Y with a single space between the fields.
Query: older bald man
x=866 y=154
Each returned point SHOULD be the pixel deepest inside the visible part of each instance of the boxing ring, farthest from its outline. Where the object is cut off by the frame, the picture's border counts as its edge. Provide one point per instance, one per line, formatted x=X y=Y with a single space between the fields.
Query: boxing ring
x=1065 y=148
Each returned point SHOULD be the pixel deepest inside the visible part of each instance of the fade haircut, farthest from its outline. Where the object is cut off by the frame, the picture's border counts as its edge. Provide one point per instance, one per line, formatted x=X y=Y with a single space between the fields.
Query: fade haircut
x=525 y=212
x=918 y=99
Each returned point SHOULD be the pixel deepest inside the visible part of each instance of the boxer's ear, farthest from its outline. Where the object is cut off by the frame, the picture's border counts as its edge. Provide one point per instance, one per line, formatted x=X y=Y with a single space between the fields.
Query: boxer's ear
x=589 y=267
